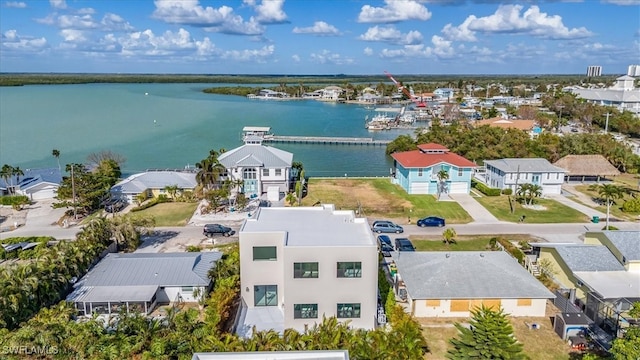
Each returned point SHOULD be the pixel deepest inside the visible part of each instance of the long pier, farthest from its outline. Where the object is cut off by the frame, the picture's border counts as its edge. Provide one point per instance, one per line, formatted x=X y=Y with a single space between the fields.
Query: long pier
x=324 y=140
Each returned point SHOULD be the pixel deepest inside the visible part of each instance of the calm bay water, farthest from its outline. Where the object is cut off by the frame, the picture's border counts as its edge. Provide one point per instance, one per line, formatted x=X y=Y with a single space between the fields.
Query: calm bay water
x=173 y=126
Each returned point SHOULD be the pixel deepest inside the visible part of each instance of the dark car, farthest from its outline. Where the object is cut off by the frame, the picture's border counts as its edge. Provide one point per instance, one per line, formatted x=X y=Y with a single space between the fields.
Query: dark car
x=114 y=206
x=384 y=239
x=404 y=244
x=431 y=221
x=384 y=226
x=386 y=250
x=212 y=229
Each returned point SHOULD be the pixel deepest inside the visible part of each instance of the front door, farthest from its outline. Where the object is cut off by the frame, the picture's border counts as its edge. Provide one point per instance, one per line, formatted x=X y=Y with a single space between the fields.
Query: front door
x=265 y=295
x=535 y=179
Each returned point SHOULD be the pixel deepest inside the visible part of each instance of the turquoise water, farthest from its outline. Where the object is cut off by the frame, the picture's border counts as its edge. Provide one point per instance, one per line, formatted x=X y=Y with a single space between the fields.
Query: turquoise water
x=173 y=126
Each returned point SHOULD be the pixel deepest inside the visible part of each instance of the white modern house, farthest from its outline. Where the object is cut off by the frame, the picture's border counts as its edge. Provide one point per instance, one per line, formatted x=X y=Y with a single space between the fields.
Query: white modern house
x=510 y=173
x=300 y=264
x=623 y=95
x=137 y=282
x=258 y=166
x=153 y=183
x=451 y=284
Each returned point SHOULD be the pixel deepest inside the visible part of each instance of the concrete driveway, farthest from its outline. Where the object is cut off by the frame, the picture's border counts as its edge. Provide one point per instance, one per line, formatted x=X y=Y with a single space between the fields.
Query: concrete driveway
x=478 y=212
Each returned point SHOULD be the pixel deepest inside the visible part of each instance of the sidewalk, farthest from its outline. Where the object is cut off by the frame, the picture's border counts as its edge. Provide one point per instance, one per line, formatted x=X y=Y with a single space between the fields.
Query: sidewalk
x=478 y=212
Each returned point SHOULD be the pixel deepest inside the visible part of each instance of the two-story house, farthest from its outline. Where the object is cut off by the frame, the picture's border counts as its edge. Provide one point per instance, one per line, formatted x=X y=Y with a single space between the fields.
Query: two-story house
x=511 y=173
x=298 y=265
x=417 y=171
x=259 y=167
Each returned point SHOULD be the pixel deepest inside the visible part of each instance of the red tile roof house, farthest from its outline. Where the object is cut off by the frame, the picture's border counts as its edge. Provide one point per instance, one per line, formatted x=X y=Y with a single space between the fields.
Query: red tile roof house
x=417 y=171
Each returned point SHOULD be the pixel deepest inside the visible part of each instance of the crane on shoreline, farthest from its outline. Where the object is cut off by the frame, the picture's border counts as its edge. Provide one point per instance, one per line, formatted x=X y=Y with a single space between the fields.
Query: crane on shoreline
x=417 y=100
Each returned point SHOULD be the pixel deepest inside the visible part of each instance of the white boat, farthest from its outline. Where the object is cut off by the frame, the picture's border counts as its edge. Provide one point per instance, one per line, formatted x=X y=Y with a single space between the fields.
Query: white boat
x=379 y=122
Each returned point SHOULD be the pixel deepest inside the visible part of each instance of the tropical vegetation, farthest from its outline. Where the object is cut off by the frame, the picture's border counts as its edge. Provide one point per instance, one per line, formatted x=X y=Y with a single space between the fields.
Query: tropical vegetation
x=609 y=193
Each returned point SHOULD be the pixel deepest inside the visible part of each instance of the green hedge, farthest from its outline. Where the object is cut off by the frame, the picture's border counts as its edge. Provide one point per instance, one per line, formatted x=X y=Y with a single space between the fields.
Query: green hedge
x=513 y=250
x=632 y=205
x=160 y=199
x=14 y=200
x=485 y=189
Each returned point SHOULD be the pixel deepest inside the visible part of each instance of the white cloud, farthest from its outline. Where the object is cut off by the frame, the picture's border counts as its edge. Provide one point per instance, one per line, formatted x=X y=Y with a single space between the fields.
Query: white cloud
x=320 y=28
x=11 y=41
x=73 y=35
x=259 y=55
x=269 y=12
x=86 y=11
x=394 y=11
x=328 y=57
x=295 y=58
x=368 y=51
x=391 y=35
x=58 y=4
x=622 y=2
x=114 y=22
x=507 y=19
x=440 y=48
x=189 y=12
x=460 y=32
x=15 y=4
x=77 y=22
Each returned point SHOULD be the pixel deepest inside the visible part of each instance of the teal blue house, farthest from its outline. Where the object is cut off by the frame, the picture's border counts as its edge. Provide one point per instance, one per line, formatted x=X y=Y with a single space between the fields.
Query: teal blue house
x=417 y=171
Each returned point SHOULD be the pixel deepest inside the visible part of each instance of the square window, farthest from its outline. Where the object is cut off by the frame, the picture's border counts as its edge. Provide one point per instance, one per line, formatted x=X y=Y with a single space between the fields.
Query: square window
x=264 y=253
x=420 y=172
x=305 y=311
x=459 y=171
x=348 y=311
x=278 y=172
x=265 y=172
x=305 y=270
x=349 y=269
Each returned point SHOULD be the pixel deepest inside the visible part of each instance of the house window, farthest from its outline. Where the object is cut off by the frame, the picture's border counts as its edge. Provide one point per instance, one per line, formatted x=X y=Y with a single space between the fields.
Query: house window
x=348 y=311
x=186 y=289
x=305 y=270
x=305 y=311
x=420 y=172
x=265 y=172
x=249 y=174
x=265 y=295
x=349 y=269
x=264 y=253
x=459 y=172
x=548 y=176
x=278 y=172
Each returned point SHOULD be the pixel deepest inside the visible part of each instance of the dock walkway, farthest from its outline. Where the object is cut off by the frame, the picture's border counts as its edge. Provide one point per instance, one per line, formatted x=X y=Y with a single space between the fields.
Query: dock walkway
x=324 y=140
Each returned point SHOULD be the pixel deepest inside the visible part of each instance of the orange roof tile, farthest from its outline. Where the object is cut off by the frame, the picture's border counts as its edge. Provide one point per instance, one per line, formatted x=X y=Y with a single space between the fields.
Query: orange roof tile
x=420 y=159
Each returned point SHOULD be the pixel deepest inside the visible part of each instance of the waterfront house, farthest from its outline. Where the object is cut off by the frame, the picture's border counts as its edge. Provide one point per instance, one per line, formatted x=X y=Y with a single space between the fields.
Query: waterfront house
x=137 y=282
x=299 y=264
x=331 y=93
x=37 y=184
x=152 y=184
x=258 y=167
x=444 y=93
x=451 y=284
x=416 y=171
x=511 y=173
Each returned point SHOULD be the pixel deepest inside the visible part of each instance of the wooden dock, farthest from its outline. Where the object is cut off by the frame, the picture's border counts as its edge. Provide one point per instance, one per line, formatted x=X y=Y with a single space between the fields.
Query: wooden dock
x=324 y=140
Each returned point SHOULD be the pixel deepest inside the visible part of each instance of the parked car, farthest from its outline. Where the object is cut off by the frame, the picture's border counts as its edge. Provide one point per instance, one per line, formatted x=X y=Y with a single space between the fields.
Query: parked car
x=431 y=221
x=404 y=244
x=384 y=239
x=386 y=250
x=384 y=226
x=212 y=229
x=114 y=206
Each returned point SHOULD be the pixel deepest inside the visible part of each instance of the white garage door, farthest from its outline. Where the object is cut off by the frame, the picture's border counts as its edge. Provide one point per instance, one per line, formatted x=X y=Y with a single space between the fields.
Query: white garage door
x=43 y=194
x=459 y=188
x=551 y=189
x=419 y=188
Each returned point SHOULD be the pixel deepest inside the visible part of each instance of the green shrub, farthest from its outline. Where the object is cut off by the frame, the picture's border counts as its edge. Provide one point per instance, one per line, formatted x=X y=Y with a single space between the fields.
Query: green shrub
x=611 y=227
x=485 y=189
x=160 y=199
x=507 y=191
x=14 y=200
x=509 y=247
x=632 y=205
x=193 y=248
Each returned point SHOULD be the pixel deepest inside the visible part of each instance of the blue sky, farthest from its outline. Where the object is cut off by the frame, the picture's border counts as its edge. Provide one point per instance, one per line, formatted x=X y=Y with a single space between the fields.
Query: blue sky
x=319 y=37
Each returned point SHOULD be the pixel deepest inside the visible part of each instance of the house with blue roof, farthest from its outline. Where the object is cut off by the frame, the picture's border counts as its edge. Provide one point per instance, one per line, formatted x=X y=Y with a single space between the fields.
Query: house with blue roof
x=138 y=282
x=37 y=184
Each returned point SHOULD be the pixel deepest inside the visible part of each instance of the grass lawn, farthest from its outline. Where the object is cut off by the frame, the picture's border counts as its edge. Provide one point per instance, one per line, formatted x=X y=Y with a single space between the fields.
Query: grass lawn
x=463 y=243
x=616 y=209
x=378 y=198
x=554 y=213
x=169 y=214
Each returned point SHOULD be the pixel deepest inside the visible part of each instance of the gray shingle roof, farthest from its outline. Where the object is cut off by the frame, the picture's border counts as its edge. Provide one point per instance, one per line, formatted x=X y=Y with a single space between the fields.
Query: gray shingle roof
x=527 y=165
x=161 y=269
x=466 y=275
x=589 y=258
x=627 y=242
x=155 y=180
x=256 y=155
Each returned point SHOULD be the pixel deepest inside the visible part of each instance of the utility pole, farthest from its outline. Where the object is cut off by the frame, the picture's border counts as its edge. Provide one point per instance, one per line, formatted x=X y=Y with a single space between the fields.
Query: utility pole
x=559 y=117
x=73 y=192
x=606 y=124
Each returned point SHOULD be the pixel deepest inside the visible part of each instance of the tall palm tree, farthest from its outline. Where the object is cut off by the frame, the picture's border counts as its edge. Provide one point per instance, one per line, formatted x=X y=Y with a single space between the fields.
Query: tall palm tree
x=443 y=176
x=17 y=172
x=56 y=154
x=172 y=190
x=6 y=173
x=609 y=193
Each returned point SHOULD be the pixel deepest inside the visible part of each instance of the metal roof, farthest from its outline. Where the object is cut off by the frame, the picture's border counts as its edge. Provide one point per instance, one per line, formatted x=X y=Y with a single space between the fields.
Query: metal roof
x=612 y=284
x=627 y=242
x=524 y=165
x=113 y=293
x=466 y=275
x=158 y=269
x=33 y=177
x=312 y=226
x=256 y=155
x=140 y=182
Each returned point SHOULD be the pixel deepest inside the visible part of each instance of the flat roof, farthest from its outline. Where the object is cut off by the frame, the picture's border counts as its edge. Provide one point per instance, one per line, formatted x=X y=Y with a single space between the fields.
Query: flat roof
x=256 y=128
x=113 y=293
x=312 y=226
x=612 y=284
x=275 y=355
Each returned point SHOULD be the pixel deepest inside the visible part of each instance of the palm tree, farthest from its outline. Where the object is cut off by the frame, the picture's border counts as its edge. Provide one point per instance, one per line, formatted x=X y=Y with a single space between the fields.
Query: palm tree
x=609 y=193
x=443 y=176
x=17 y=172
x=56 y=154
x=449 y=236
x=210 y=170
x=6 y=173
x=172 y=190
